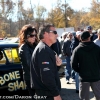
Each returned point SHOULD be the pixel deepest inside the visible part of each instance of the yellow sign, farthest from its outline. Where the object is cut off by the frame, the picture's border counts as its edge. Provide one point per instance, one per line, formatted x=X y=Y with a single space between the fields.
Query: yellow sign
x=12 y=55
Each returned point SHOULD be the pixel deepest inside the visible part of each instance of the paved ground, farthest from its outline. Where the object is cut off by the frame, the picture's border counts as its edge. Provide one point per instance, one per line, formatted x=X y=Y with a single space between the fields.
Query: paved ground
x=68 y=91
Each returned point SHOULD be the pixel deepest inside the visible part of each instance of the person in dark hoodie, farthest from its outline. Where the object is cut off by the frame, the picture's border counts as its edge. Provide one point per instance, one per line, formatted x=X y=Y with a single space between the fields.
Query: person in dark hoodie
x=86 y=61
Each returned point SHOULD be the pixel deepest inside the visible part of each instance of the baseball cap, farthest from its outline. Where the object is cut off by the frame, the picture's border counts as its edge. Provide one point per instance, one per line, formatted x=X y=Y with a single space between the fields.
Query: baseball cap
x=89 y=28
x=64 y=33
x=85 y=35
x=78 y=33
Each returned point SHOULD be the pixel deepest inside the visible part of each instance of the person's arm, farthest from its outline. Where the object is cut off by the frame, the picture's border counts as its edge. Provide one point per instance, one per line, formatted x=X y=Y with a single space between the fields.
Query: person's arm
x=57 y=97
x=47 y=71
x=74 y=61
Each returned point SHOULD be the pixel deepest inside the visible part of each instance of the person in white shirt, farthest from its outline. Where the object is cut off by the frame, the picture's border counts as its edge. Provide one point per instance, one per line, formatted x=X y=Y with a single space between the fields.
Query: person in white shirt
x=97 y=41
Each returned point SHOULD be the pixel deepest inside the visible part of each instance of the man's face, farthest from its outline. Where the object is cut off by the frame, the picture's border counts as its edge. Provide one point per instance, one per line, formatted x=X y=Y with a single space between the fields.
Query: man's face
x=52 y=35
x=78 y=37
x=90 y=31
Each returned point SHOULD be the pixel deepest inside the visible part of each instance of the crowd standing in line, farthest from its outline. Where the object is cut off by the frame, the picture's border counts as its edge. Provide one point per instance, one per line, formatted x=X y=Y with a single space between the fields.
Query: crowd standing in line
x=41 y=63
x=27 y=43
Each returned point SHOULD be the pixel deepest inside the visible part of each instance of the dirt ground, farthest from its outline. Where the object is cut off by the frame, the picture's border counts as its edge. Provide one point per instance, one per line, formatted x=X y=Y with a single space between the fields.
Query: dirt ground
x=68 y=91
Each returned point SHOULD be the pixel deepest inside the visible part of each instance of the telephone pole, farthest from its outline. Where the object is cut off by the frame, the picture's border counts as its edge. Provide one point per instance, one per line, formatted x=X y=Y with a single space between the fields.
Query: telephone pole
x=65 y=14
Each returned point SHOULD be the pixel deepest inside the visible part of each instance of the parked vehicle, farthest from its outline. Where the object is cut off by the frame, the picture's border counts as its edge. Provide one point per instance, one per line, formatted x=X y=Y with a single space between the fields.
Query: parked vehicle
x=11 y=74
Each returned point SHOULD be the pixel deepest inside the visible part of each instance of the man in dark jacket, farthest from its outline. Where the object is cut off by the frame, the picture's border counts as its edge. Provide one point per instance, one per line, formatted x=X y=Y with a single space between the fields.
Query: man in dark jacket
x=86 y=61
x=73 y=45
x=67 y=53
x=44 y=74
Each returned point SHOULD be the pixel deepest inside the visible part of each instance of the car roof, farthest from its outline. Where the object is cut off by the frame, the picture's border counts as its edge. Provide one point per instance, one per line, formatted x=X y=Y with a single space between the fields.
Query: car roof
x=8 y=45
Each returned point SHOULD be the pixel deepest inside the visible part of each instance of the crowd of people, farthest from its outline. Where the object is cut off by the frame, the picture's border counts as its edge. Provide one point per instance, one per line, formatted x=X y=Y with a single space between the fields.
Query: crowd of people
x=39 y=55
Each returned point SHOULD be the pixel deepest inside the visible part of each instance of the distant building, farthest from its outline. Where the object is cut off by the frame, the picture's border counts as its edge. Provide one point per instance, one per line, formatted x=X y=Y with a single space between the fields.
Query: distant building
x=61 y=30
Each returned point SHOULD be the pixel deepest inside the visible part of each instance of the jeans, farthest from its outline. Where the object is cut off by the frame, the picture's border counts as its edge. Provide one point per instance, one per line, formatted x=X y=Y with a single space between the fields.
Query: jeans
x=68 y=68
x=77 y=80
x=73 y=74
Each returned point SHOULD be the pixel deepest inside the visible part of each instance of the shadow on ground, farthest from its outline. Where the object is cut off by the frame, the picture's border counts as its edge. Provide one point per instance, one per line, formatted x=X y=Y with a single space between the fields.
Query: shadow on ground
x=70 y=94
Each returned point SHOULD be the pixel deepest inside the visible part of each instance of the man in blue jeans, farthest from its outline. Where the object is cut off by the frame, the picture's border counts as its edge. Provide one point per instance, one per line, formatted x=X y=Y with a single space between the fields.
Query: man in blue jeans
x=67 y=53
x=73 y=45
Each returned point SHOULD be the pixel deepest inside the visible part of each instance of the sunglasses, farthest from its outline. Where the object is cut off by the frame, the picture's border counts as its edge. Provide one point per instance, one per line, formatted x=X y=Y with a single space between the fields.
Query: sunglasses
x=55 y=32
x=32 y=35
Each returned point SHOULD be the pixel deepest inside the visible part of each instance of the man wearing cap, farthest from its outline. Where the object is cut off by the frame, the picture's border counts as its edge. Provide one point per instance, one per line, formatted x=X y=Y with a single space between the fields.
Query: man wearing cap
x=93 y=36
x=97 y=41
x=86 y=61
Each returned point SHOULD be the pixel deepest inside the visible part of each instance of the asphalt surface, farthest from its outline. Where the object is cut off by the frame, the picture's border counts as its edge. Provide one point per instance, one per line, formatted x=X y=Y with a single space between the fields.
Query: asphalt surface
x=68 y=91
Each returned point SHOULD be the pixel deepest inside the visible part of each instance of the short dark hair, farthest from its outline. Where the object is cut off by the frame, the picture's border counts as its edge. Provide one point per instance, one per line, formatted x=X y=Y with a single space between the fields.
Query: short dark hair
x=85 y=35
x=43 y=30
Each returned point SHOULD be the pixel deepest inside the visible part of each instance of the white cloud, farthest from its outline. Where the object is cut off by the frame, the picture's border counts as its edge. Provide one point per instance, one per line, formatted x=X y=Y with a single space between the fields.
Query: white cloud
x=79 y=4
x=48 y=4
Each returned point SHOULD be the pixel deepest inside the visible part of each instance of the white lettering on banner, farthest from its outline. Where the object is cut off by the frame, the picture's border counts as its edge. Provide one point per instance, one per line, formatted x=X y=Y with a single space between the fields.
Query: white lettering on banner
x=23 y=97
x=10 y=76
x=7 y=97
x=16 y=97
x=39 y=97
x=16 y=85
x=12 y=86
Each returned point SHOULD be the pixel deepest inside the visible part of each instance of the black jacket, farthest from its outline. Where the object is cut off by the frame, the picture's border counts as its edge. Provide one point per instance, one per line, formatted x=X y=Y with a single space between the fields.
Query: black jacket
x=25 y=53
x=86 y=61
x=56 y=47
x=75 y=42
x=93 y=37
x=66 y=48
x=44 y=75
